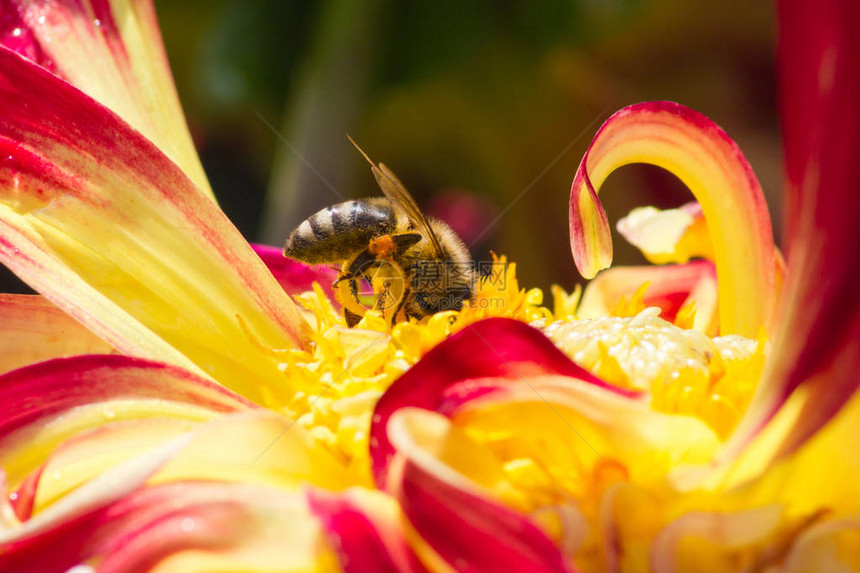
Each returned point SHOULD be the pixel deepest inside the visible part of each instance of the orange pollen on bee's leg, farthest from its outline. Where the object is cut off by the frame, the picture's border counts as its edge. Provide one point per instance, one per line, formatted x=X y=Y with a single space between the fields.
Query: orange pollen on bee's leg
x=382 y=246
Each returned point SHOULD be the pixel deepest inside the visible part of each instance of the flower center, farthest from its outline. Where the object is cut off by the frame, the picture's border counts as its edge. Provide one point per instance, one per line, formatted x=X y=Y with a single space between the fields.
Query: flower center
x=685 y=371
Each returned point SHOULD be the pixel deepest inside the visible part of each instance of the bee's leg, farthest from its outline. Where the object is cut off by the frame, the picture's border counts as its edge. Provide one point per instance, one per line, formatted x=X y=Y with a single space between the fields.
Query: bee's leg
x=401 y=311
x=360 y=263
x=347 y=295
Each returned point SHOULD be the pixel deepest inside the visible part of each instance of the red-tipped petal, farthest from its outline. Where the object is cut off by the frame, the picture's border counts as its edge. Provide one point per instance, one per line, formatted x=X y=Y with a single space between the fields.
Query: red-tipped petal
x=43 y=389
x=79 y=506
x=185 y=526
x=108 y=228
x=818 y=342
x=365 y=532
x=712 y=166
x=499 y=348
x=463 y=527
x=112 y=51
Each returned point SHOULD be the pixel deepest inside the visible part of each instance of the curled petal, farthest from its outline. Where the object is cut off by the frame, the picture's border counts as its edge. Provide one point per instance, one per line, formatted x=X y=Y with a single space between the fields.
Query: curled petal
x=35 y=330
x=112 y=232
x=724 y=530
x=714 y=169
x=131 y=77
x=456 y=522
x=816 y=349
x=820 y=547
x=498 y=349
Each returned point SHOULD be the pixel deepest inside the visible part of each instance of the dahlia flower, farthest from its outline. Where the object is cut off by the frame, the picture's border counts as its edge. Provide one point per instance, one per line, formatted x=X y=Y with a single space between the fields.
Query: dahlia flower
x=176 y=399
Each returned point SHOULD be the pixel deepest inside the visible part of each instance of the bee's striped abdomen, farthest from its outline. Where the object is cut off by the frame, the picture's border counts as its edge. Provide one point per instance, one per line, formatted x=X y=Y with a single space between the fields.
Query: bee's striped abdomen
x=336 y=233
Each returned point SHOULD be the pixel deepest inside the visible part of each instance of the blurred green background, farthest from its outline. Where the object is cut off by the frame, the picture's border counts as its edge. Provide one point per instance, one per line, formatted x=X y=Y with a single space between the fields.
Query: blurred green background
x=482 y=108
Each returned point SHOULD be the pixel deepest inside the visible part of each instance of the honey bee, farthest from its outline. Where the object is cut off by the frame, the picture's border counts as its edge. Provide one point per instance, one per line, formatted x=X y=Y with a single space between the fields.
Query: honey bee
x=416 y=265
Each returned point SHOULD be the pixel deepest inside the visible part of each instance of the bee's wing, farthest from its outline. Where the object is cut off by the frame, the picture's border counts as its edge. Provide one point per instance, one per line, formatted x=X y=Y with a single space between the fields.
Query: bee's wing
x=396 y=192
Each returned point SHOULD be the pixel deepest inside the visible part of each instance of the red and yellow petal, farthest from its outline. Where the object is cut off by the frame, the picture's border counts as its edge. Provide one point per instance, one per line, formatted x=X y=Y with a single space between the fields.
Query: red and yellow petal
x=110 y=230
x=700 y=153
x=815 y=354
x=457 y=524
x=82 y=504
x=519 y=436
x=499 y=351
x=365 y=529
x=112 y=51
x=48 y=403
x=182 y=526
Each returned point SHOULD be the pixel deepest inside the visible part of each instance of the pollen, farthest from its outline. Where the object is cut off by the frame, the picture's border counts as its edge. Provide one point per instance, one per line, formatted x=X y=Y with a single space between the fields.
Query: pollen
x=382 y=247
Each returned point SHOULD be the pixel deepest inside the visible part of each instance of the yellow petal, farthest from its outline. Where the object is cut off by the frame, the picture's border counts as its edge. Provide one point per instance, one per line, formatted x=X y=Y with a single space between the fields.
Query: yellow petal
x=668 y=236
x=35 y=330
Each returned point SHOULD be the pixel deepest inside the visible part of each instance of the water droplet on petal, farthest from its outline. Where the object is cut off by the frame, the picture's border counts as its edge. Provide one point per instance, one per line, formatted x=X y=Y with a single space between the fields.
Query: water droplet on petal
x=97 y=23
x=81 y=569
x=187 y=524
x=10 y=164
x=13 y=495
x=16 y=32
x=41 y=19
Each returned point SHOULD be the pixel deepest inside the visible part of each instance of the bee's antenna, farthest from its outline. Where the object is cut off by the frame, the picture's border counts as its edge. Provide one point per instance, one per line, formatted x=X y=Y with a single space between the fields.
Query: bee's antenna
x=360 y=150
